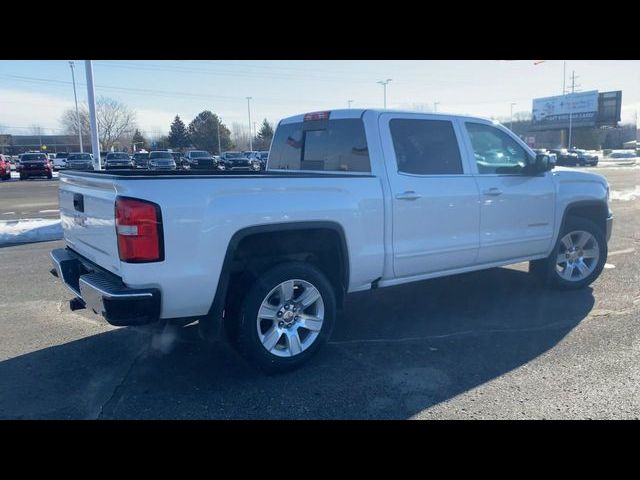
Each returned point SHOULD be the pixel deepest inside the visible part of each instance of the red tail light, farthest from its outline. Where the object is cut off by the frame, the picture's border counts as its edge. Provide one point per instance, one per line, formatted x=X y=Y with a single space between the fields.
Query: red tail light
x=139 y=230
x=316 y=116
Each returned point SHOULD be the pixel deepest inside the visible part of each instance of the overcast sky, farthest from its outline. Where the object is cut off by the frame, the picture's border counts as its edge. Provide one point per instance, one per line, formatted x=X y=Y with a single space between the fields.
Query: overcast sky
x=37 y=92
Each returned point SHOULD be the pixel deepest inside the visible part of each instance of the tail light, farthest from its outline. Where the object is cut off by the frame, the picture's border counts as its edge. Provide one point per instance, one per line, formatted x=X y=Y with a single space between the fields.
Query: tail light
x=309 y=117
x=139 y=230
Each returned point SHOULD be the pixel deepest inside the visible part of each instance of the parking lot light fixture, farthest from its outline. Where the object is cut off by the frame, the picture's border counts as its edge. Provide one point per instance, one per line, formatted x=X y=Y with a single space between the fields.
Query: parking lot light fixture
x=384 y=84
x=249 y=110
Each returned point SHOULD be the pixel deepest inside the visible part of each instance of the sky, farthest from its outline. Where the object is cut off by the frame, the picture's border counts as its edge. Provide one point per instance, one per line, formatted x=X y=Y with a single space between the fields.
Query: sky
x=35 y=92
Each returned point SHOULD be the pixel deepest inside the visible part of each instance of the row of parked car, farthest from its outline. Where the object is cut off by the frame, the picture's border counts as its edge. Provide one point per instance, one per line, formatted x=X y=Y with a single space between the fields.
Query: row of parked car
x=166 y=160
x=570 y=157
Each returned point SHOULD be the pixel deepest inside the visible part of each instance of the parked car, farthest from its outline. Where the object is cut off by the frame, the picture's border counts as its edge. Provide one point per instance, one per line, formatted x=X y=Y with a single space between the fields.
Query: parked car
x=118 y=160
x=34 y=165
x=179 y=159
x=141 y=160
x=565 y=157
x=60 y=161
x=5 y=167
x=585 y=157
x=80 y=161
x=235 y=161
x=553 y=158
x=159 y=160
x=258 y=160
x=627 y=157
x=200 y=160
x=270 y=260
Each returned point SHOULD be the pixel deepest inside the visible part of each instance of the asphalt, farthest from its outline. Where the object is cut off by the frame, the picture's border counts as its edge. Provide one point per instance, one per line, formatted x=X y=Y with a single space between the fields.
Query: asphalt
x=488 y=344
x=32 y=198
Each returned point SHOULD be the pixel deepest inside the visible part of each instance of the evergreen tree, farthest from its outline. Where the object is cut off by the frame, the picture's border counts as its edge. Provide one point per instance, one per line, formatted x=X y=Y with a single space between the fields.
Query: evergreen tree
x=178 y=134
x=203 y=132
x=264 y=136
x=138 y=141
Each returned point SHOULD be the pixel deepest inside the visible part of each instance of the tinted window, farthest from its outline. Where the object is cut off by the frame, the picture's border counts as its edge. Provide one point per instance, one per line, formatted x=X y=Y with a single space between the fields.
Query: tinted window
x=426 y=147
x=495 y=151
x=335 y=145
x=198 y=154
x=117 y=156
x=79 y=156
x=34 y=156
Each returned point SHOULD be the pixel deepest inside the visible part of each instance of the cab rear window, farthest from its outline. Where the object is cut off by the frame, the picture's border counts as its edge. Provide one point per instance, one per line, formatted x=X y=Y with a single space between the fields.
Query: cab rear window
x=333 y=146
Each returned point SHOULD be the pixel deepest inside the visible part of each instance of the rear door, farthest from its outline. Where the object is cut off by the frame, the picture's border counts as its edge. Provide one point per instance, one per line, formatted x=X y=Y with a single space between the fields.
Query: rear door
x=435 y=209
x=87 y=211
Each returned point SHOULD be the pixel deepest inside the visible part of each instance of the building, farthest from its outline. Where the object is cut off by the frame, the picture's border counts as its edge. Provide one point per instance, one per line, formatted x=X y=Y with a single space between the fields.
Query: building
x=17 y=144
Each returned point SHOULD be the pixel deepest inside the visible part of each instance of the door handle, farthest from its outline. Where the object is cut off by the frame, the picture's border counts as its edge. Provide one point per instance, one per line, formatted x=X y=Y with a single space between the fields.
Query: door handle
x=409 y=195
x=494 y=192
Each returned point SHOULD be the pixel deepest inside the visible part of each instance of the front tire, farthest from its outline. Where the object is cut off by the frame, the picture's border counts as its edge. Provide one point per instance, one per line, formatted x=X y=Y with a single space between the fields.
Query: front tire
x=578 y=257
x=286 y=317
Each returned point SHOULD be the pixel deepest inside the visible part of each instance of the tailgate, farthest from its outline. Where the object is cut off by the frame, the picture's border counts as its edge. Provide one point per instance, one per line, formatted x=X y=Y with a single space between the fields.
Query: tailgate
x=87 y=206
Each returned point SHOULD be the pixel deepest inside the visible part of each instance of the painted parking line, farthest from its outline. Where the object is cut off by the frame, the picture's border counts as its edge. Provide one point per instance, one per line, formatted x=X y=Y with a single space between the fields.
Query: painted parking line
x=620 y=252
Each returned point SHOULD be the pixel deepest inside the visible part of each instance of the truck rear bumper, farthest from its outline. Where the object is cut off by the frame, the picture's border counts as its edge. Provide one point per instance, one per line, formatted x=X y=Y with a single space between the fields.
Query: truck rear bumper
x=104 y=293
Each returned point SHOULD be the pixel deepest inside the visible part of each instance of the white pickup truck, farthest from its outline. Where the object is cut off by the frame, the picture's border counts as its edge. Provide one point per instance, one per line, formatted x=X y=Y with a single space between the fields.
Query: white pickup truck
x=351 y=200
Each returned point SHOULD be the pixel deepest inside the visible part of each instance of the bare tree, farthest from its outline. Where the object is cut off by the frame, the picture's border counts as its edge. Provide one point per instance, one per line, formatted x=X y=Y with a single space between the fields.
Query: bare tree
x=116 y=122
x=240 y=136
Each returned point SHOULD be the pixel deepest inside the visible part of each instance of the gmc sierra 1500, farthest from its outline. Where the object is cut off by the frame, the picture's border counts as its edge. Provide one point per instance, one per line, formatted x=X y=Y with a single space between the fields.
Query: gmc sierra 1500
x=350 y=200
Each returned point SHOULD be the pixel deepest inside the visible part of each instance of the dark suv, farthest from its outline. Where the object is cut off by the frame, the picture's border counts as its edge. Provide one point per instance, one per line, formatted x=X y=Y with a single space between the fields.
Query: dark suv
x=141 y=159
x=118 y=160
x=34 y=165
x=565 y=157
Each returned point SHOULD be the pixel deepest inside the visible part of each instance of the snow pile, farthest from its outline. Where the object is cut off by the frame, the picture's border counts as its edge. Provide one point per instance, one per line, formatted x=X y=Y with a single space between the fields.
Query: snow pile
x=626 y=195
x=32 y=230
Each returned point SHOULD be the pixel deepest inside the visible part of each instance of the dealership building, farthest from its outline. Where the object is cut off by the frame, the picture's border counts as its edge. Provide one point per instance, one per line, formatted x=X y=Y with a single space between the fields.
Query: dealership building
x=17 y=144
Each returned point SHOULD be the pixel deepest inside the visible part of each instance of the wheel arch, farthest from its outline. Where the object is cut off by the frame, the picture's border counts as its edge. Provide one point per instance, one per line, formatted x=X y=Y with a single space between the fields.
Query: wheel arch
x=594 y=210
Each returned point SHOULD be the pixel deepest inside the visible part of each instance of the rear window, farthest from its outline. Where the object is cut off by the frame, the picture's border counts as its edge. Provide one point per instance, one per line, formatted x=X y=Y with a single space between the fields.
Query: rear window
x=33 y=156
x=333 y=145
x=198 y=154
x=80 y=156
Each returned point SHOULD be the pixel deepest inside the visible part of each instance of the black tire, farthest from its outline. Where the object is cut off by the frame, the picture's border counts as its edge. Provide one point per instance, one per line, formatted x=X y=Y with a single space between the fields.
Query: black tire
x=23 y=177
x=247 y=341
x=545 y=269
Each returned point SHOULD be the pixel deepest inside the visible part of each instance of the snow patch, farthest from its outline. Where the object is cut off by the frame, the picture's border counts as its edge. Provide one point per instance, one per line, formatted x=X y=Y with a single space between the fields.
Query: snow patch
x=31 y=230
x=626 y=195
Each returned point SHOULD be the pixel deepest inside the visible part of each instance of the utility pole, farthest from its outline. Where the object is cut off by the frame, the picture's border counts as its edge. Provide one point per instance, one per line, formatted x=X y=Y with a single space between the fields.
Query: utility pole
x=73 y=77
x=435 y=106
x=384 y=84
x=249 y=110
x=511 y=121
x=95 y=143
x=564 y=77
x=219 y=144
x=349 y=102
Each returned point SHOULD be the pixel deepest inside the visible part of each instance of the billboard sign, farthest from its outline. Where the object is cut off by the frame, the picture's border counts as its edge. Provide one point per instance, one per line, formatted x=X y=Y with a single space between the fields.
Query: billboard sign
x=586 y=109
x=554 y=112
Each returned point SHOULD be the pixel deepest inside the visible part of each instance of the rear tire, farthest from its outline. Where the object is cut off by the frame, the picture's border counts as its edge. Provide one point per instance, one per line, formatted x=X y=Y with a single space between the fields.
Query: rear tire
x=577 y=259
x=286 y=317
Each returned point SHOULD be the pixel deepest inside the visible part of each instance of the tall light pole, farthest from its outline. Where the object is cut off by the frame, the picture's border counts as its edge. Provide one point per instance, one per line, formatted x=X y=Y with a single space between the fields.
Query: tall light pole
x=573 y=89
x=75 y=96
x=249 y=110
x=384 y=84
x=349 y=102
x=511 y=121
x=95 y=144
x=435 y=106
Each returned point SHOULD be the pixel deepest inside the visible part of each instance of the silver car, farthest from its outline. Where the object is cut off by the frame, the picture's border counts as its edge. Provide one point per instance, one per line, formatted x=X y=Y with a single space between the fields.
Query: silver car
x=161 y=161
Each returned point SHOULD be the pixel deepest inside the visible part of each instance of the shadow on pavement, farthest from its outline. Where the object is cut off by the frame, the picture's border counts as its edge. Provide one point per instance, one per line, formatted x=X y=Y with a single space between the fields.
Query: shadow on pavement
x=395 y=352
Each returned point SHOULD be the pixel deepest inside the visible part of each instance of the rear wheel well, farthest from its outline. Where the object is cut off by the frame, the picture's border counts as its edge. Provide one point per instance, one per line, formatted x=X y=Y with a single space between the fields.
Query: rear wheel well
x=254 y=253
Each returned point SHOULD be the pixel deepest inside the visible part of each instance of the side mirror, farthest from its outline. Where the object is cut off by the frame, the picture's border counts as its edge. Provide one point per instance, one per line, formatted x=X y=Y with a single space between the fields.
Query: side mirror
x=543 y=163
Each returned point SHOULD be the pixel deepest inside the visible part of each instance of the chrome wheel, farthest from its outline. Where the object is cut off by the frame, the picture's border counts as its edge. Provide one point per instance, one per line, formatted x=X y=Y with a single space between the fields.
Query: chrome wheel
x=578 y=256
x=290 y=318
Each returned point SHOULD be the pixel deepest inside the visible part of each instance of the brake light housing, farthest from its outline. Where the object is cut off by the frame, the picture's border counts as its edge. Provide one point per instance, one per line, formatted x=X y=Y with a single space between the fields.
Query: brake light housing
x=310 y=117
x=139 y=230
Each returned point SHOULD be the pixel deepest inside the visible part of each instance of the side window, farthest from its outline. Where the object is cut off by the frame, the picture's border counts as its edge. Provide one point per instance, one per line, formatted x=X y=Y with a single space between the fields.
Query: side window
x=425 y=147
x=495 y=151
x=333 y=146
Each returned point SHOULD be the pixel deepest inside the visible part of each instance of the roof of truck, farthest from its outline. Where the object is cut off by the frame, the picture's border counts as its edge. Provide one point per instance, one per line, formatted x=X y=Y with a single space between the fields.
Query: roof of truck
x=342 y=113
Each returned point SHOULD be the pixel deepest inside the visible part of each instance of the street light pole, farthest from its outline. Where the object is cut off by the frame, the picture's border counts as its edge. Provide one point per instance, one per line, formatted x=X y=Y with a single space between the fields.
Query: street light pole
x=75 y=96
x=349 y=102
x=511 y=121
x=435 y=107
x=384 y=84
x=95 y=144
x=249 y=110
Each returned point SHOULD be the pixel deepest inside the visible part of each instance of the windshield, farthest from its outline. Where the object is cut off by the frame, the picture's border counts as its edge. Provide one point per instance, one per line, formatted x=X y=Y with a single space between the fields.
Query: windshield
x=117 y=156
x=198 y=154
x=234 y=155
x=79 y=156
x=165 y=155
x=33 y=156
x=140 y=156
x=62 y=155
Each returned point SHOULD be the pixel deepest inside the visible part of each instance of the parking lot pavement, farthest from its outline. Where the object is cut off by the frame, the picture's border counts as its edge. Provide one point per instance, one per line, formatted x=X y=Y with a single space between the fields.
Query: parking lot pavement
x=487 y=344
x=33 y=198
